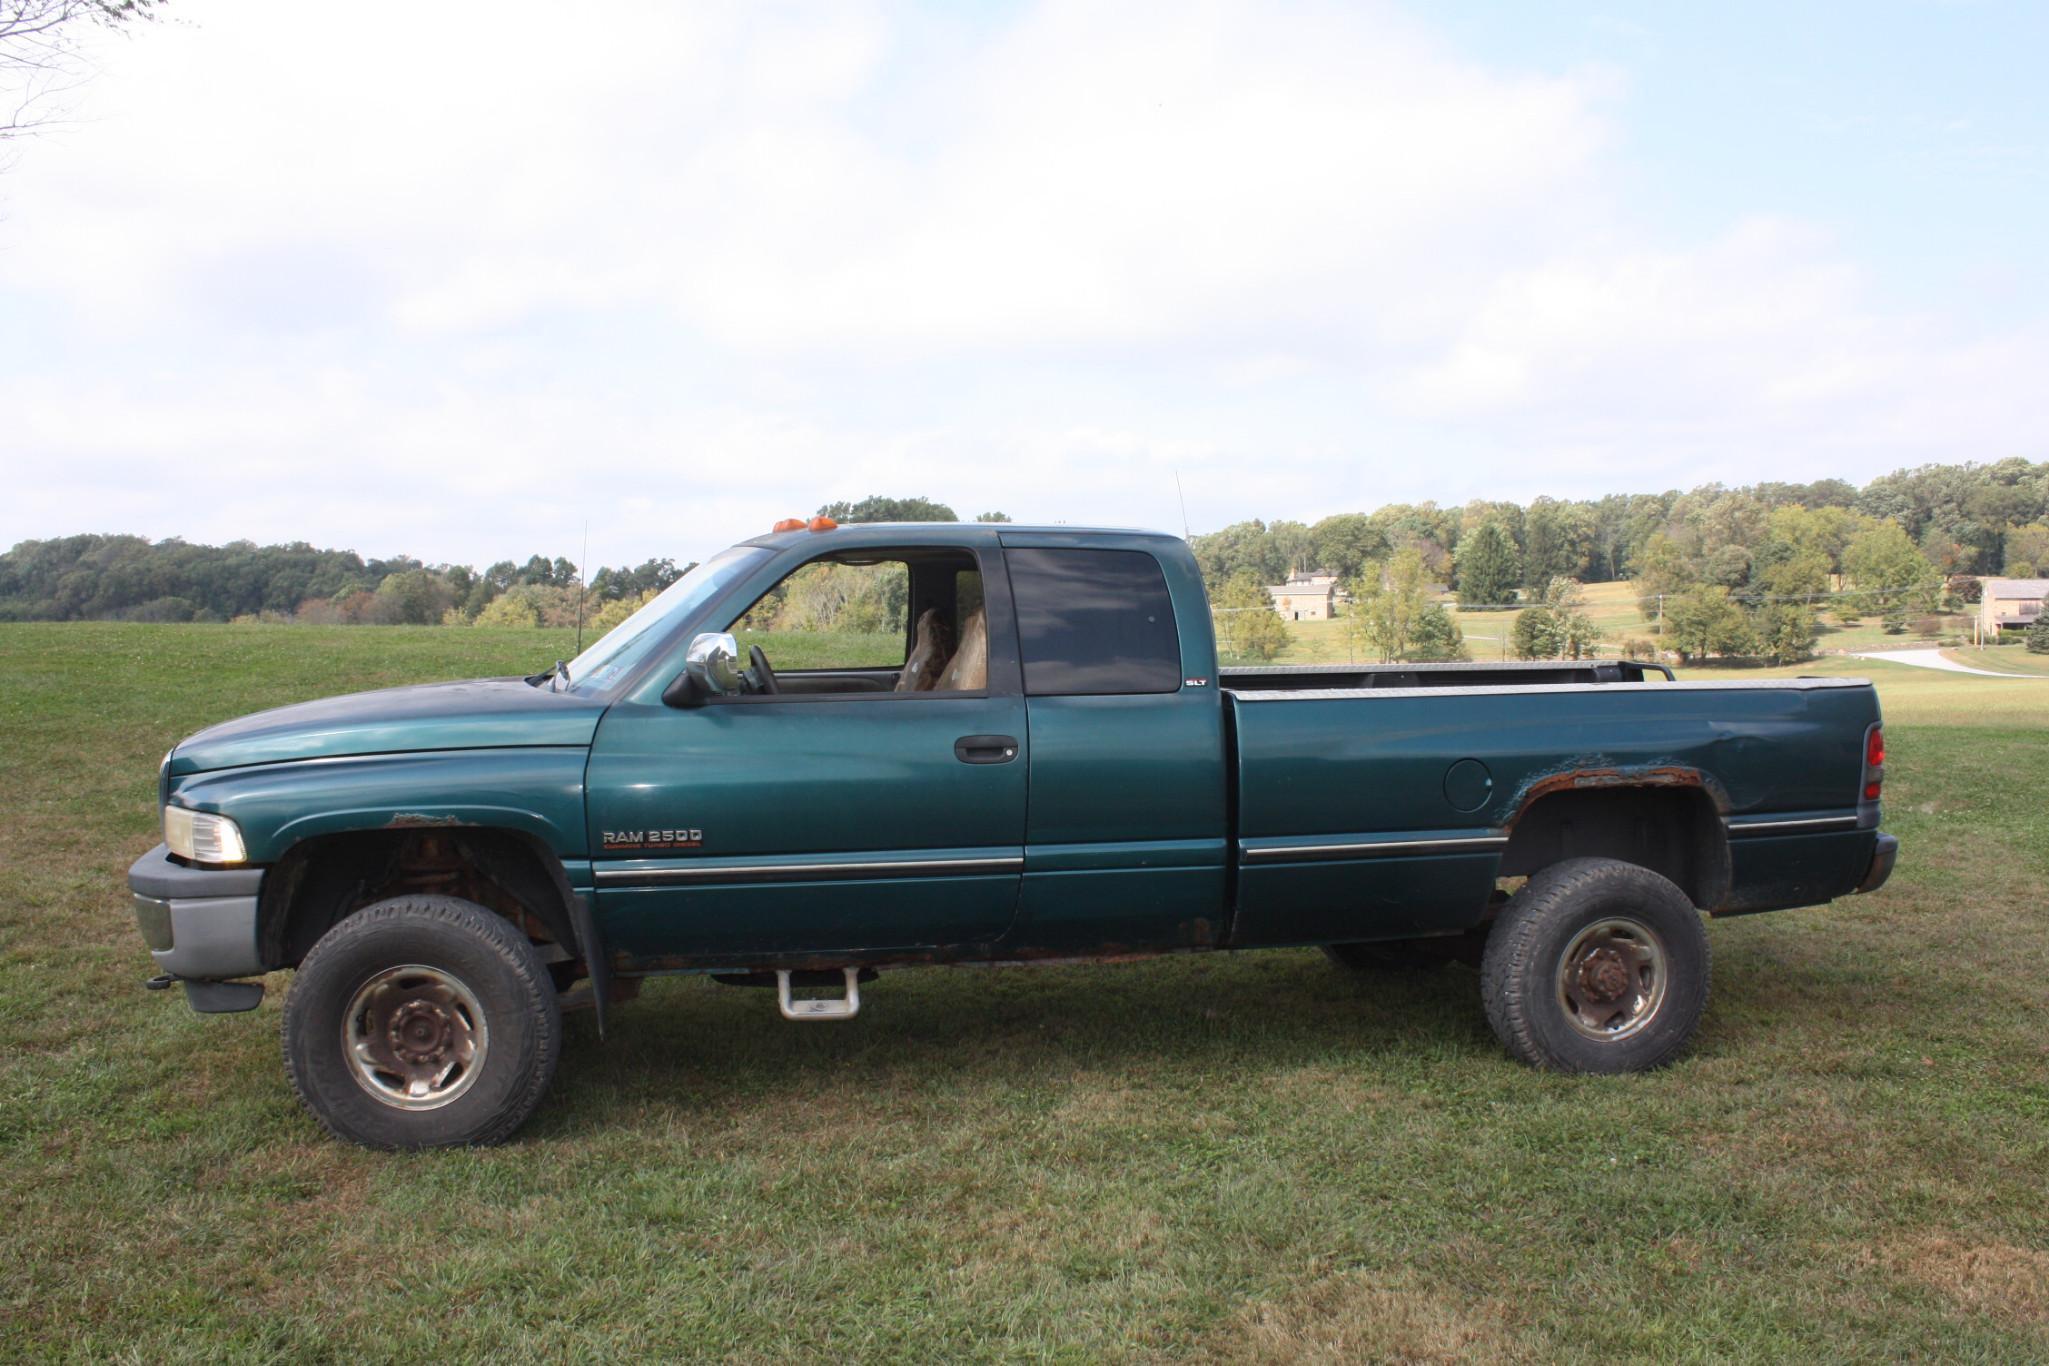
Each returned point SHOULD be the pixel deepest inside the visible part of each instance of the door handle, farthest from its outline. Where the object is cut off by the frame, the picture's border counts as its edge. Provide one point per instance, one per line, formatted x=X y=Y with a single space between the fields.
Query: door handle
x=985 y=749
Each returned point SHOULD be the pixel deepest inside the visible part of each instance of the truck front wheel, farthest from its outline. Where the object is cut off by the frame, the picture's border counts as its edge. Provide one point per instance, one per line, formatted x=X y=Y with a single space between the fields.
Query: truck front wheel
x=1596 y=966
x=422 y=1022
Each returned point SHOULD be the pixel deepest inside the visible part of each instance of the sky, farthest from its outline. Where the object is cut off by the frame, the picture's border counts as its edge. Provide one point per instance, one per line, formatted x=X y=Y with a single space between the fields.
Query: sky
x=454 y=287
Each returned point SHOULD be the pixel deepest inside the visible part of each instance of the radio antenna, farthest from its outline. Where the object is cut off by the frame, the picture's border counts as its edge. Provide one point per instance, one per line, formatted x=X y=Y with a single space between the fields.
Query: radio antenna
x=582 y=570
x=1183 y=495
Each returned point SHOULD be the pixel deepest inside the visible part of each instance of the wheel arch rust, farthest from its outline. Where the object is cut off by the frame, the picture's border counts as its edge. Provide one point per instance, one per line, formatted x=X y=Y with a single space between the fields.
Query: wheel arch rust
x=1668 y=817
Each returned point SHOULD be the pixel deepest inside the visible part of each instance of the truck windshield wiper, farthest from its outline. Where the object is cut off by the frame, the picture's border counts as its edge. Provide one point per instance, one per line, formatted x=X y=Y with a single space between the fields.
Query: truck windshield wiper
x=559 y=670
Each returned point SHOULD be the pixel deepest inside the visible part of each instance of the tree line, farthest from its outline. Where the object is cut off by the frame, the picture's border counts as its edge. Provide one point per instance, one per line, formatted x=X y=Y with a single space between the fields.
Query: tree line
x=1717 y=570
x=131 y=578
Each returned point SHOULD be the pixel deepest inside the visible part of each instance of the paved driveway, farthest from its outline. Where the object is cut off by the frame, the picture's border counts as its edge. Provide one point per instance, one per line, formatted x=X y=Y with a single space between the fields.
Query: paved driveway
x=1934 y=659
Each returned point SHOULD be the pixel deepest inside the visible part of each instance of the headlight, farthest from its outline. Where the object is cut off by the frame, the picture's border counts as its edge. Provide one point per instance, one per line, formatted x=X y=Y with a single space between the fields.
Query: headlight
x=202 y=836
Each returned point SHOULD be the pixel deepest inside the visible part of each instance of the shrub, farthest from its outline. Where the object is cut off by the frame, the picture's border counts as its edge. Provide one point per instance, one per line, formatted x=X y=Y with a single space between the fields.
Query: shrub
x=161 y=609
x=1438 y=639
x=515 y=608
x=2038 y=635
x=616 y=611
x=1537 y=634
x=1247 y=625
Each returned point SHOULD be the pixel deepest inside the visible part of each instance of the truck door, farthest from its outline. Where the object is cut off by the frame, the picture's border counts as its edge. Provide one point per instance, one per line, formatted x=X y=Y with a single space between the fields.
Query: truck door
x=839 y=813
x=1125 y=844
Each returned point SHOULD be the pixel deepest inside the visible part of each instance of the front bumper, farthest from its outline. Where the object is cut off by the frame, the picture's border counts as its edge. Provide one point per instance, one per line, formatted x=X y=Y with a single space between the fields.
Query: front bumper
x=199 y=923
x=1882 y=859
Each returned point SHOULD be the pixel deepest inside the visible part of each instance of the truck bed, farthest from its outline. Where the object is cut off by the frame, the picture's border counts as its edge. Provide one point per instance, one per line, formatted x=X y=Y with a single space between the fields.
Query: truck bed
x=1512 y=673
x=1363 y=797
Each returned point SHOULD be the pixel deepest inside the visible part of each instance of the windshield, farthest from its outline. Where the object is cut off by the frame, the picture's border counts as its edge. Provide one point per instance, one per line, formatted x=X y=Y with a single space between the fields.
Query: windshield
x=625 y=645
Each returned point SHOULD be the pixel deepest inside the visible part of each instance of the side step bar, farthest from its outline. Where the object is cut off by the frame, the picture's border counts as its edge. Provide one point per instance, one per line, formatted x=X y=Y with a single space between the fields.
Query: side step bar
x=846 y=1008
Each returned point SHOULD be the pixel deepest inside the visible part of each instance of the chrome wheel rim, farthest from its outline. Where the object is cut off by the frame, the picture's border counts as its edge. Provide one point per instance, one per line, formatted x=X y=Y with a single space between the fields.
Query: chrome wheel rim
x=415 y=1037
x=1612 y=978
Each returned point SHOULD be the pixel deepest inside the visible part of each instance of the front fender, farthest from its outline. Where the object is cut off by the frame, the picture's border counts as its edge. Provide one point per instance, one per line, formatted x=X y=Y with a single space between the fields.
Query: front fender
x=535 y=791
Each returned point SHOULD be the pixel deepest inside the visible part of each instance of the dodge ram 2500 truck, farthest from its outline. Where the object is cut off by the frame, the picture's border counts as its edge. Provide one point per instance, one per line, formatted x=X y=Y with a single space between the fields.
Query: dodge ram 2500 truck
x=833 y=750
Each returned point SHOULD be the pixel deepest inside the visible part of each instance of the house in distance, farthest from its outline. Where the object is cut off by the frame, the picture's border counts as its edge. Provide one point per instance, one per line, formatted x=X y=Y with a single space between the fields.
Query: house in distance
x=1309 y=596
x=2008 y=605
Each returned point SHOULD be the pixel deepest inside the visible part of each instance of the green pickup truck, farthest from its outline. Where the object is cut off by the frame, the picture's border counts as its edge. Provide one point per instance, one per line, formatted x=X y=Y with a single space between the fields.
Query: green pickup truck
x=831 y=751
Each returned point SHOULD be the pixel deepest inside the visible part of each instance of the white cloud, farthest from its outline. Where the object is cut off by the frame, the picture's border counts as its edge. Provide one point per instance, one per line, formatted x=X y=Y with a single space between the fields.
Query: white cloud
x=452 y=286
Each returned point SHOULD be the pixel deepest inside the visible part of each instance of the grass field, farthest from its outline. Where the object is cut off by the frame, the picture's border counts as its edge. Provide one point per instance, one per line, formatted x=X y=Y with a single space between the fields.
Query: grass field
x=2006 y=659
x=1225 y=1157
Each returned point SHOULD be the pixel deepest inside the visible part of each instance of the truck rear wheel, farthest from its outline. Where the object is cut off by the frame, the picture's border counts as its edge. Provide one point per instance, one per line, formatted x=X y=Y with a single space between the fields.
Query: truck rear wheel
x=422 y=1022
x=1596 y=966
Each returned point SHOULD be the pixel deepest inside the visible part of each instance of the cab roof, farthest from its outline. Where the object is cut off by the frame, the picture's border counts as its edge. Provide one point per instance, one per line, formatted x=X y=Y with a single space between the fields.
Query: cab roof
x=927 y=533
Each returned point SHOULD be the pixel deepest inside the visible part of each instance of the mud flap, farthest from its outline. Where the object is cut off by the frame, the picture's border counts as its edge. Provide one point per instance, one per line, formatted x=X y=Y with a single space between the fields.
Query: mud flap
x=223 y=998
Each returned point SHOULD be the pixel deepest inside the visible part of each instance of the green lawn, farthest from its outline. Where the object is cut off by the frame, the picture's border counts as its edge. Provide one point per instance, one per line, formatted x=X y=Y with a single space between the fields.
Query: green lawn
x=1221 y=1157
x=2007 y=659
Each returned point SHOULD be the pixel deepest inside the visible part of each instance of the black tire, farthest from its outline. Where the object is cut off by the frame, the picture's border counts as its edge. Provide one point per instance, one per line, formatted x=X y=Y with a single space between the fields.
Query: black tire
x=1629 y=931
x=496 y=975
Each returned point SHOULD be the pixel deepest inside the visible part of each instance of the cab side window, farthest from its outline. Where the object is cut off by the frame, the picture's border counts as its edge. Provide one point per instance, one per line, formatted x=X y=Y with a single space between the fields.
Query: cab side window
x=829 y=615
x=862 y=623
x=1094 y=622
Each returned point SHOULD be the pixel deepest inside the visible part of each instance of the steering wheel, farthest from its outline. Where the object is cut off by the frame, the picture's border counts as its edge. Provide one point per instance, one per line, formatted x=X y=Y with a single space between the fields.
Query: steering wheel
x=764 y=676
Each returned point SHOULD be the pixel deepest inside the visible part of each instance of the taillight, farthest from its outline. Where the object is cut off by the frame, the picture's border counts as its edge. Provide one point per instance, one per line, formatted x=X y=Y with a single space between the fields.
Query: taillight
x=1874 y=762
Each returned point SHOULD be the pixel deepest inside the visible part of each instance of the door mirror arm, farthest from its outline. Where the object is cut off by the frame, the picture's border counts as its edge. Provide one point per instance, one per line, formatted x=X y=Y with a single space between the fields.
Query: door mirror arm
x=711 y=668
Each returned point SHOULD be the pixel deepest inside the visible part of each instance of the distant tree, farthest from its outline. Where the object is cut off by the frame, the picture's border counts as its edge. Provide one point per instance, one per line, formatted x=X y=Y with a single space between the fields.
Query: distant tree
x=992 y=516
x=1242 y=546
x=1663 y=569
x=1344 y=542
x=1706 y=621
x=1427 y=529
x=1488 y=569
x=1784 y=631
x=413 y=597
x=877 y=508
x=1248 y=627
x=1437 y=639
x=477 y=599
x=1536 y=634
x=1728 y=566
x=2027 y=551
x=40 y=54
x=1557 y=625
x=1891 y=575
x=1800 y=574
x=1294 y=547
x=1389 y=602
x=1558 y=540
x=614 y=584
x=514 y=607
x=1947 y=553
x=617 y=610
x=2038 y=635
x=1566 y=600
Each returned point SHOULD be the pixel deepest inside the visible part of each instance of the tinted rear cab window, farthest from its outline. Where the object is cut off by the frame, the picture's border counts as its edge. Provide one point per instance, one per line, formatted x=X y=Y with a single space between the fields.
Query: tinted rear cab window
x=1094 y=621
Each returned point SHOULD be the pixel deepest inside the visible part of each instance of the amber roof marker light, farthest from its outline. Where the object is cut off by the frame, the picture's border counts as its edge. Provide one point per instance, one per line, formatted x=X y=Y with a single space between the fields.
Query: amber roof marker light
x=789 y=524
x=823 y=524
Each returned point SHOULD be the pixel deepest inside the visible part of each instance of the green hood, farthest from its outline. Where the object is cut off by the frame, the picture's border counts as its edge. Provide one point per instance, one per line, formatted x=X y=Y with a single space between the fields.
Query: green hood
x=484 y=713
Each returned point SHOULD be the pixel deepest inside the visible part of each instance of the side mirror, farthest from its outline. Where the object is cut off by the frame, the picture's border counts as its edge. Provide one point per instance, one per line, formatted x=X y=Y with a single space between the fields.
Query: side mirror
x=711 y=668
